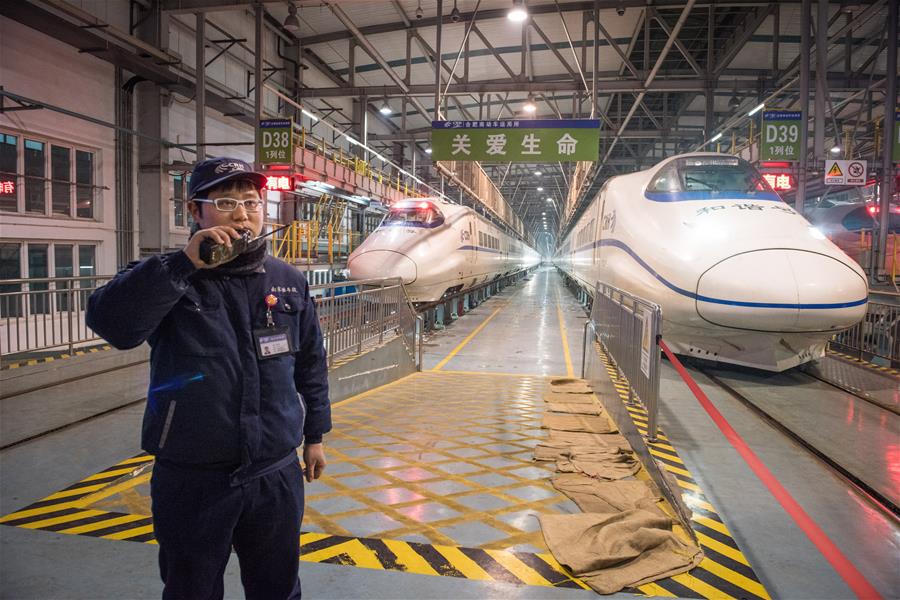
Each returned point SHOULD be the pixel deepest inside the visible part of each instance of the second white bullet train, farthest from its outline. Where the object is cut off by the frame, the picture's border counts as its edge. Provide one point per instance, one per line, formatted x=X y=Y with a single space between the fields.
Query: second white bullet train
x=437 y=248
x=740 y=276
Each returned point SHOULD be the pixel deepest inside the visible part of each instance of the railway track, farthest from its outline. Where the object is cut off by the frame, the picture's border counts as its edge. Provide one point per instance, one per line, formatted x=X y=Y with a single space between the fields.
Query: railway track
x=868 y=491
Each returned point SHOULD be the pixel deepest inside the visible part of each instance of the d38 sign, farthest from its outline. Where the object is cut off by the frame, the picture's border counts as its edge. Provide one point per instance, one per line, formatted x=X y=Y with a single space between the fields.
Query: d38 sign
x=275 y=142
x=780 y=135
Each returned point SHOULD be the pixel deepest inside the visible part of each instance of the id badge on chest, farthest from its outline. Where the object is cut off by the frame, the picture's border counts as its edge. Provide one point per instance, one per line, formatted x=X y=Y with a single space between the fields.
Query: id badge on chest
x=272 y=341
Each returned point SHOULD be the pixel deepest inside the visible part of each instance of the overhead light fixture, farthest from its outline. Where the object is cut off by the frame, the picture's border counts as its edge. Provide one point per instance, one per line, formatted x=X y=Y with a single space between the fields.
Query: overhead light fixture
x=716 y=137
x=427 y=150
x=419 y=12
x=517 y=13
x=529 y=105
x=549 y=199
x=351 y=140
x=291 y=22
x=835 y=149
x=385 y=108
x=544 y=214
x=309 y=114
x=537 y=173
x=454 y=14
x=540 y=189
x=756 y=110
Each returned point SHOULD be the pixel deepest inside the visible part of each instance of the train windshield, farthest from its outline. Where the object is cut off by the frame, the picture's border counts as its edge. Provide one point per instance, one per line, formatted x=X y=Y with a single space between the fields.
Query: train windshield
x=424 y=214
x=709 y=174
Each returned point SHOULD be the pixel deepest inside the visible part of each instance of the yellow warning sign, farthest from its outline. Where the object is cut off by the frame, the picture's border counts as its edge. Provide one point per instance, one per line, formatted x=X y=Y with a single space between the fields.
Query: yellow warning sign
x=835 y=171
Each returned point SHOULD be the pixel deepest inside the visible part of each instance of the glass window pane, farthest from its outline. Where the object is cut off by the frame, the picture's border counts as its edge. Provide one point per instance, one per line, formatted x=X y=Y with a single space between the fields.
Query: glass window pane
x=10 y=268
x=35 y=173
x=62 y=255
x=87 y=265
x=60 y=172
x=178 y=197
x=8 y=180
x=84 y=177
x=38 y=267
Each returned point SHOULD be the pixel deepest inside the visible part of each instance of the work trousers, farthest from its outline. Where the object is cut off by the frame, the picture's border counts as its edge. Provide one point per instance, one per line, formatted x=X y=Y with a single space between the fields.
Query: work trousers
x=198 y=516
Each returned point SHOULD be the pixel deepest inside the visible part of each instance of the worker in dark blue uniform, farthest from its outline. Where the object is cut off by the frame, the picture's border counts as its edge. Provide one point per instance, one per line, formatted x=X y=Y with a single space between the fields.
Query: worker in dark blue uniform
x=238 y=380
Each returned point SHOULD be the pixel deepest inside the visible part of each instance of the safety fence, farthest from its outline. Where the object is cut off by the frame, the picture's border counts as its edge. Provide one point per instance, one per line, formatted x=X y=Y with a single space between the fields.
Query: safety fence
x=41 y=314
x=877 y=335
x=367 y=314
x=310 y=242
x=628 y=327
x=45 y=315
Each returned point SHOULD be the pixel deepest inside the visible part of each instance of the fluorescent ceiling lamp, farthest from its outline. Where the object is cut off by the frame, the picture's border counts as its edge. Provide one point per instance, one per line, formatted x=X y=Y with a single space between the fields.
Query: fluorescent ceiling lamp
x=835 y=149
x=537 y=173
x=517 y=13
x=385 y=109
x=756 y=110
x=716 y=137
x=543 y=214
x=540 y=189
x=529 y=105
x=351 y=140
x=309 y=114
x=427 y=150
x=549 y=199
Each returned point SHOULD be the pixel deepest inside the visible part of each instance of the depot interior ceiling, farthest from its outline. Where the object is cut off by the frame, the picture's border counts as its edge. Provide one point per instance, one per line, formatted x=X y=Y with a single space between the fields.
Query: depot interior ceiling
x=661 y=77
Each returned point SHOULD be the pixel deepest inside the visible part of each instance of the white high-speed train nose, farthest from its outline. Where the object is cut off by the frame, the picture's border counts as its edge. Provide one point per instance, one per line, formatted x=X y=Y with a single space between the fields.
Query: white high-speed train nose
x=782 y=290
x=377 y=264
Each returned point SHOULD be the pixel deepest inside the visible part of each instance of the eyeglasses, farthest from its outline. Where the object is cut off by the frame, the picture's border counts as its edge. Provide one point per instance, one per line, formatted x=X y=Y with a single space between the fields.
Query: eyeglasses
x=230 y=204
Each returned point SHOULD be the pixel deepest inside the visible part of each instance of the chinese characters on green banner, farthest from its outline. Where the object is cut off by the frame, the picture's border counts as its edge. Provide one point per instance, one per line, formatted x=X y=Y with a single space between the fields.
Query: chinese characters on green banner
x=275 y=142
x=534 y=141
x=780 y=135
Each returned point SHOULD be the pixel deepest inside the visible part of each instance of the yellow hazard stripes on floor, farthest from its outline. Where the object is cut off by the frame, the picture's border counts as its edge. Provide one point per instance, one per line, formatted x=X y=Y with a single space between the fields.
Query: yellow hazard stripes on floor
x=68 y=512
x=865 y=363
x=503 y=566
x=725 y=572
x=30 y=362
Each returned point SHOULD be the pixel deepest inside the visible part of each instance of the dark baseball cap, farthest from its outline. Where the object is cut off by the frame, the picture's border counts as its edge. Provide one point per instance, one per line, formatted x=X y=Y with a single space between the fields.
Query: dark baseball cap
x=211 y=172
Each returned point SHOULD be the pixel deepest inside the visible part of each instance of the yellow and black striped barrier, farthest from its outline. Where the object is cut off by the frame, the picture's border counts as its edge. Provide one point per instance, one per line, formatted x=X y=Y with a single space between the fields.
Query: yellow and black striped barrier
x=30 y=362
x=725 y=572
x=864 y=363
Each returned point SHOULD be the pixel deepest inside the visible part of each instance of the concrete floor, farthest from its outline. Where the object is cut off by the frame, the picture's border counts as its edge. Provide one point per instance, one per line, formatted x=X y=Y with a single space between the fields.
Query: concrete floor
x=523 y=336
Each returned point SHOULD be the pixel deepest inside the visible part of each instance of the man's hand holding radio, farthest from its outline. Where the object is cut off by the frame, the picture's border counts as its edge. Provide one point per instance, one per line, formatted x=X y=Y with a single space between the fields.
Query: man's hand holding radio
x=220 y=234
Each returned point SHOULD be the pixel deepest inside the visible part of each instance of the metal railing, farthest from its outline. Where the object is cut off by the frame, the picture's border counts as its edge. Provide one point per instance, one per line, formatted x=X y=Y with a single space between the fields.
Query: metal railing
x=45 y=313
x=39 y=315
x=877 y=335
x=628 y=328
x=369 y=313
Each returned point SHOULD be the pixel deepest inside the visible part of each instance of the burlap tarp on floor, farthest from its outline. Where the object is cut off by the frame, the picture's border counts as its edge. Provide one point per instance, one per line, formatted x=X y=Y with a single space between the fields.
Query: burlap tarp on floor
x=553 y=449
x=593 y=496
x=611 y=551
x=577 y=438
x=582 y=423
x=581 y=408
x=570 y=386
x=570 y=398
x=600 y=463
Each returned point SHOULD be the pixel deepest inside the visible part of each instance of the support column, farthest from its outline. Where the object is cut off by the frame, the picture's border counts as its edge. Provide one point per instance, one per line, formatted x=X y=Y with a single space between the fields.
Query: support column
x=821 y=83
x=200 y=94
x=890 y=130
x=154 y=186
x=437 y=63
x=805 y=15
x=258 y=65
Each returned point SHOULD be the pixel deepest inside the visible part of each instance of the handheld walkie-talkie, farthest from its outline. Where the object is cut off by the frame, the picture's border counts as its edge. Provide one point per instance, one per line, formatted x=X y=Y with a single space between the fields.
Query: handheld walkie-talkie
x=213 y=253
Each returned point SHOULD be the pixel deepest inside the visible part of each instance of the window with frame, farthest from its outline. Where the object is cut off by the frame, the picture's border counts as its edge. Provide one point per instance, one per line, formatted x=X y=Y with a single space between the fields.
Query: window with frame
x=180 y=186
x=9 y=182
x=37 y=260
x=51 y=178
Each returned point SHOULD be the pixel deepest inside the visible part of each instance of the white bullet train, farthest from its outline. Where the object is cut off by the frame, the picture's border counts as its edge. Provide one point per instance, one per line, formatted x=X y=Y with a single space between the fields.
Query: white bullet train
x=438 y=248
x=740 y=276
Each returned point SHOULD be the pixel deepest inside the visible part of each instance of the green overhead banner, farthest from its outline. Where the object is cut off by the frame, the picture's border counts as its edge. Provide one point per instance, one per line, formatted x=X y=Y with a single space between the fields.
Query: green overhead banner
x=780 y=135
x=275 y=142
x=534 y=141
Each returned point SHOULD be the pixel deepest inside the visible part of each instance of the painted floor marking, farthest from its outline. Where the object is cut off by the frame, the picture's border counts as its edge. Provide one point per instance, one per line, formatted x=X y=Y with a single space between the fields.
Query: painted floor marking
x=65 y=513
x=725 y=572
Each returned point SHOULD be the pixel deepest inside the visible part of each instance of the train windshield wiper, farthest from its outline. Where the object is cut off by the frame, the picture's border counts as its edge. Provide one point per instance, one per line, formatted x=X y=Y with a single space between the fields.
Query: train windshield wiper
x=701 y=182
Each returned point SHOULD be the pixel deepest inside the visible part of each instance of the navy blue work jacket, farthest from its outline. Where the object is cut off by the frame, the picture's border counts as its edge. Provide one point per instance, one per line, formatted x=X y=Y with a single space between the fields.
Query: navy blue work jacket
x=212 y=403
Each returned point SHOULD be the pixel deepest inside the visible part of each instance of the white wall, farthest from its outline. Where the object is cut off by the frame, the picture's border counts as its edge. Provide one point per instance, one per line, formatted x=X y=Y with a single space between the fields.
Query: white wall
x=39 y=67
